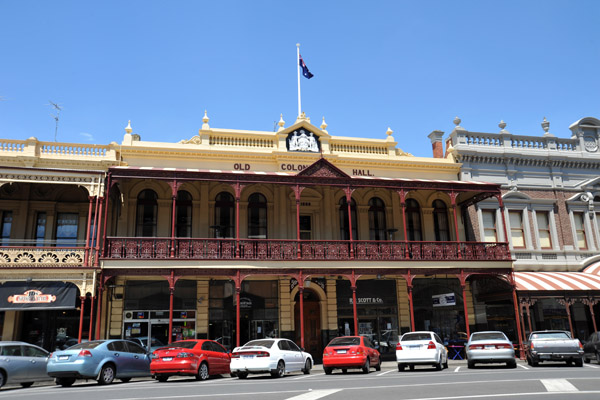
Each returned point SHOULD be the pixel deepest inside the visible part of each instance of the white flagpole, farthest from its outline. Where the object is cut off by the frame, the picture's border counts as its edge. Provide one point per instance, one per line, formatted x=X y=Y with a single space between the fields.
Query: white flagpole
x=298 y=65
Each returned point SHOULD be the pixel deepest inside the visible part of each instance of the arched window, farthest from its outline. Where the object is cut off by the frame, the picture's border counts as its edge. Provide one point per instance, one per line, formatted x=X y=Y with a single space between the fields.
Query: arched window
x=147 y=209
x=183 y=218
x=440 y=221
x=413 y=220
x=257 y=216
x=344 y=223
x=377 y=226
x=224 y=215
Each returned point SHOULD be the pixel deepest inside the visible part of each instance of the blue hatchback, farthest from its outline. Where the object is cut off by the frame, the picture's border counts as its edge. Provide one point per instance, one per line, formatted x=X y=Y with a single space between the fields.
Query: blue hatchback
x=102 y=360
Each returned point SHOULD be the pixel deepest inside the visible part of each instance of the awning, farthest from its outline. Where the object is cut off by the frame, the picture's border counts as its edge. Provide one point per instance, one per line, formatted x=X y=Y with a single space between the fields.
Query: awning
x=556 y=281
x=38 y=296
x=593 y=268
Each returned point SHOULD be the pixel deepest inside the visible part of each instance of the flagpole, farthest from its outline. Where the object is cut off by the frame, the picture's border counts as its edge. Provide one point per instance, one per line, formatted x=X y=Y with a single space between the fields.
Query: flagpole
x=298 y=65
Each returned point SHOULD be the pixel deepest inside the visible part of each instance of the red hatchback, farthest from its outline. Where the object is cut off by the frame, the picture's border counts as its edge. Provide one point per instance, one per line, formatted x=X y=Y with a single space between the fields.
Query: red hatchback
x=351 y=352
x=199 y=358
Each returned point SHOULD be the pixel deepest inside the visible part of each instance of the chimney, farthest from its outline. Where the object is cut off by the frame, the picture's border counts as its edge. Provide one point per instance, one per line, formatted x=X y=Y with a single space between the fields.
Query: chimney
x=436 y=143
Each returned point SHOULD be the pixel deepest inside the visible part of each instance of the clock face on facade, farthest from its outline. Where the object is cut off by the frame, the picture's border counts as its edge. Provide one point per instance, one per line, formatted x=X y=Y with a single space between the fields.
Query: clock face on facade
x=303 y=140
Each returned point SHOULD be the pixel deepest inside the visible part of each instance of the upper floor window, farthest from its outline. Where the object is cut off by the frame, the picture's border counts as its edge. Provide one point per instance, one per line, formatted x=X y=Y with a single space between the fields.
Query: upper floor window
x=413 y=220
x=183 y=218
x=490 y=233
x=40 y=229
x=580 y=231
x=224 y=215
x=7 y=217
x=543 y=225
x=377 y=224
x=257 y=216
x=517 y=234
x=440 y=221
x=66 y=229
x=344 y=223
x=147 y=210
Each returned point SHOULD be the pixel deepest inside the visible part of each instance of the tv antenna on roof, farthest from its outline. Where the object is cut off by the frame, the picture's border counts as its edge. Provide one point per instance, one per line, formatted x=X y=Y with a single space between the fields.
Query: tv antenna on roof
x=58 y=109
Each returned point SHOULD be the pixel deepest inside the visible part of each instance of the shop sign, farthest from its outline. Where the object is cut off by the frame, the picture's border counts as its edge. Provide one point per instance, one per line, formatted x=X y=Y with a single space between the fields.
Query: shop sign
x=37 y=295
x=245 y=302
x=442 y=300
x=367 y=300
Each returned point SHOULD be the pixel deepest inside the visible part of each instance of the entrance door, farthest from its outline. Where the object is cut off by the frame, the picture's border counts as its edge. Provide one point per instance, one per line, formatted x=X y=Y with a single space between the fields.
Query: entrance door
x=312 y=324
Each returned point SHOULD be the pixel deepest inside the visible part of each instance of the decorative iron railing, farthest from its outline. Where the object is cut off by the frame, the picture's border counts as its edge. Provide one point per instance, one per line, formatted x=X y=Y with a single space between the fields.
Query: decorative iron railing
x=286 y=249
x=44 y=257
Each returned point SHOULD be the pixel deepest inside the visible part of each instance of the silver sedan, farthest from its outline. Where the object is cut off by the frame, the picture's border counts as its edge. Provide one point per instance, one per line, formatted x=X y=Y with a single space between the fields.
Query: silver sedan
x=490 y=347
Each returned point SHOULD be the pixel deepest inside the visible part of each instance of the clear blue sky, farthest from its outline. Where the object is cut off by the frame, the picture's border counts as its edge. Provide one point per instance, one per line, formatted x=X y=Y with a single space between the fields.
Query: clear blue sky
x=412 y=66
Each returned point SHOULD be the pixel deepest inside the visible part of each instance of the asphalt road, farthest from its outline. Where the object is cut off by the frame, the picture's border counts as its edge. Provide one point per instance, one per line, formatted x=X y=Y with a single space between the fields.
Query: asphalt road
x=549 y=381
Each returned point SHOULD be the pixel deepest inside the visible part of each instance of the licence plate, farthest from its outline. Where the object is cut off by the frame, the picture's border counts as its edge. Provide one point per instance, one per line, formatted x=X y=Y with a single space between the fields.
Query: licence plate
x=341 y=351
x=490 y=347
x=414 y=347
x=247 y=356
x=63 y=357
x=167 y=358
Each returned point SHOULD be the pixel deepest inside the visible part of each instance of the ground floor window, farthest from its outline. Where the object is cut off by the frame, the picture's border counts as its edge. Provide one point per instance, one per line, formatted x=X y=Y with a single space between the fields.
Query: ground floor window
x=155 y=295
x=259 y=311
x=549 y=314
x=494 y=307
x=151 y=328
x=54 y=329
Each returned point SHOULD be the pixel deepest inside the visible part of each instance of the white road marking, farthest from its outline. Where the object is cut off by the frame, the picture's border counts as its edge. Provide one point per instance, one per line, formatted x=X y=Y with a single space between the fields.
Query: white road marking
x=522 y=366
x=314 y=394
x=457 y=368
x=308 y=376
x=558 y=385
x=590 y=366
x=386 y=372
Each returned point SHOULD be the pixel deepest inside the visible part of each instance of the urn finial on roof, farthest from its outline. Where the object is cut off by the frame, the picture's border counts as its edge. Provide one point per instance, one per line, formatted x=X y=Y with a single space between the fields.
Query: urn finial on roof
x=324 y=125
x=205 y=120
x=128 y=127
x=281 y=122
x=502 y=125
x=457 y=122
x=546 y=127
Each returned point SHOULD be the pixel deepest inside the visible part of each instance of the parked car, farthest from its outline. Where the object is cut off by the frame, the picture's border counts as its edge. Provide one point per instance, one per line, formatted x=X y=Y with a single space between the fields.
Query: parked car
x=421 y=348
x=199 y=358
x=22 y=363
x=553 y=346
x=490 y=347
x=277 y=356
x=351 y=352
x=591 y=348
x=103 y=360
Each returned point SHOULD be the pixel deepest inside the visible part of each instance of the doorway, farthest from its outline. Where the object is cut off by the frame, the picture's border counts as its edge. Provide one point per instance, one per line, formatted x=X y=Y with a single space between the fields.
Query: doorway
x=312 y=323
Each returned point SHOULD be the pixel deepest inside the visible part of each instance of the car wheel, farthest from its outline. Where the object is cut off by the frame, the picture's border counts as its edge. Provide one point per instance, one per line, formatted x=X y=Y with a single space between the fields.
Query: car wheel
x=438 y=366
x=401 y=367
x=65 y=382
x=511 y=364
x=586 y=360
x=307 y=367
x=367 y=367
x=470 y=364
x=528 y=361
x=125 y=380
x=202 y=374
x=344 y=371
x=578 y=362
x=327 y=370
x=242 y=375
x=411 y=367
x=445 y=365
x=2 y=378
x=534 y=363
x=280 y=371
x=162 y=378
x=26 y=384
x=107 y=375
x=378 y=366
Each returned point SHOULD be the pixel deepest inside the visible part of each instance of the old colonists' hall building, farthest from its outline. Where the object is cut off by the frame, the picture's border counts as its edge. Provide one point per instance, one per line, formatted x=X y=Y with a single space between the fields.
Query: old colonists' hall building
x=235 y=235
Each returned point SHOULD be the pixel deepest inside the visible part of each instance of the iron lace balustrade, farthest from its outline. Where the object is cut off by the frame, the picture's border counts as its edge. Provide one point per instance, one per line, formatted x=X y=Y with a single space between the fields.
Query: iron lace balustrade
x=41 y=256
x=287 y=249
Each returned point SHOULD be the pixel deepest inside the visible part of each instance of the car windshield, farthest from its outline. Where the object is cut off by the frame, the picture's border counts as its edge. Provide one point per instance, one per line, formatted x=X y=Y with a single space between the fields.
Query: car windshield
x=550 y=335
x=415 y=336
x=263 y=343
x=488 y=336
x=183 y=345
x=345 y=341
x=87 y=345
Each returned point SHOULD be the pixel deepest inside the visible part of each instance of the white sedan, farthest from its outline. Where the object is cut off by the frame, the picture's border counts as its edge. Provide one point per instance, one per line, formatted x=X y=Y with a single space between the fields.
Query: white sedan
x=276 y=356
x=421 y=348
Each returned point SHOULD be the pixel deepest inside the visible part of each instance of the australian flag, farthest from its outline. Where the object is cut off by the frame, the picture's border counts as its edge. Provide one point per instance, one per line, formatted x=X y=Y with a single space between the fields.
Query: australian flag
x=305 y=70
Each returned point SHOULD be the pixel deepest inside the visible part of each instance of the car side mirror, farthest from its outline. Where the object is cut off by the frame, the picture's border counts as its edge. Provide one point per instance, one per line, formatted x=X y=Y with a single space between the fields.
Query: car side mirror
x=302 y=348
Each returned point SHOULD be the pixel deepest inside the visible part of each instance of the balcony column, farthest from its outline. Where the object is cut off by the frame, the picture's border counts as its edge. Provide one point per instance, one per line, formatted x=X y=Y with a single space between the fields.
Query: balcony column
x=172 y=279
x=462 y=277
x=591 y=302
x=518 y=315
x=97 y=256
x=453 y=196
x=237 y=280
x=348 y=192
x=527 y=304
x=91 y=329
x=87 y=233
x=300 y=280
x=81 y=307
x=174 y=188
x=108 y=183
x=238 y=194
x=297 y=193
x=402 y=195
x=99 y=310
x=408 y=277
x=353 y=279
x=568 y=302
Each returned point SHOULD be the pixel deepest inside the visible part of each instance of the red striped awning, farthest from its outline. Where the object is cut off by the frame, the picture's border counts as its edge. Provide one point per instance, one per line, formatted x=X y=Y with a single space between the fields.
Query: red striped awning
x=556 y=281
x=593 y=268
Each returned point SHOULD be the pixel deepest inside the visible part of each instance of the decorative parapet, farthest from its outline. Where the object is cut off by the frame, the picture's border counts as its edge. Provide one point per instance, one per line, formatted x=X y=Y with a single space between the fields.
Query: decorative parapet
x=43 y=257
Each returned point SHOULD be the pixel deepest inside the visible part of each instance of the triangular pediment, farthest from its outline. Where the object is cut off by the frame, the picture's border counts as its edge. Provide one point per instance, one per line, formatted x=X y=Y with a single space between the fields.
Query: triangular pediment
x=323 y=168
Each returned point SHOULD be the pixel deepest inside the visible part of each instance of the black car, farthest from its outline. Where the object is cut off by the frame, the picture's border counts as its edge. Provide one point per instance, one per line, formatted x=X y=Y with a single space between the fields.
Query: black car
x=591 y=348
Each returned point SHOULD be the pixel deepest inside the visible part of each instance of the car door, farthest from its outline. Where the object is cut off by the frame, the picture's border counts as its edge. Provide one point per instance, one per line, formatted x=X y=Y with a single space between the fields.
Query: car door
x=221 y=357
x=441 y=347
x=369 y=348
x=211 y=356
x=15 y=364
x=140 y=360
x=36 y=359
x=123 y=359
x=297 y=355
x=286 y=354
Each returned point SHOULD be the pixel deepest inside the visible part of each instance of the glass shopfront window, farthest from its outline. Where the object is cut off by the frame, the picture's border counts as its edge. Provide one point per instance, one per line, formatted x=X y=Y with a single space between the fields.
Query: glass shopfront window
x=549 y=314
x=494 y=307
x=259 y=311
x=376 y=309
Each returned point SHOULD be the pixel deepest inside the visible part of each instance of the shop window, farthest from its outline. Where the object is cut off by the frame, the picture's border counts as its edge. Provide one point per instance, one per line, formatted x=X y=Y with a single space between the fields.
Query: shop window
x=224 y=215
x=183 y=218
x=489 y=226
x=515 y=219
x=7 y=217
x=147 y=210
x=543 y=224
x=413 y=220
x=580 y=230
x=440 y=221
x=155 y=295
x=257 y=216
x=377 y=223
x=344 y=222
x=66 y=229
